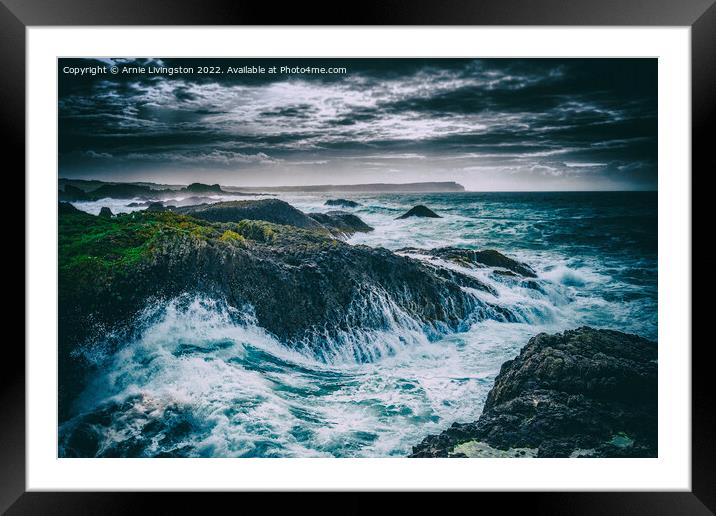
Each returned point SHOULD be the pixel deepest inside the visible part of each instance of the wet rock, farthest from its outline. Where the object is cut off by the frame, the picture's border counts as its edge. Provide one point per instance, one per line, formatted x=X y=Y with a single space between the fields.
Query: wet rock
x=156 y=206
x=420 y=211
x=65 y=208
x=341 y=222
x=584 y=392
x=471 y=258
x=345 y=203
x=106 y=213
x=72 y=193
x=302 y=284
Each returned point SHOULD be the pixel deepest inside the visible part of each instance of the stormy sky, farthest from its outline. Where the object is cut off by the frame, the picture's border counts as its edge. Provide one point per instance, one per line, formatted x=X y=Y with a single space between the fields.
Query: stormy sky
x=489 y=124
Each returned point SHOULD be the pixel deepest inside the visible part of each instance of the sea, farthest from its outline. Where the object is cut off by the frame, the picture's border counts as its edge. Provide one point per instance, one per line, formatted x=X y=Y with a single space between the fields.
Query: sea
x=203 y=379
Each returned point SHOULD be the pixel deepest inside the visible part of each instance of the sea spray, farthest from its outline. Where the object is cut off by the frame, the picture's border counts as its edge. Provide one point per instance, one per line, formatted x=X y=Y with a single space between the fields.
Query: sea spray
x=202 y=382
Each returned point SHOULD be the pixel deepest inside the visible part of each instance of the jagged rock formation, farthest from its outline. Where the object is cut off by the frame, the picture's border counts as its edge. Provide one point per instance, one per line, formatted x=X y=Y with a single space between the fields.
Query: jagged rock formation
x=303 y=285
x=341 y=222
x=470 y=258
x=581 y=393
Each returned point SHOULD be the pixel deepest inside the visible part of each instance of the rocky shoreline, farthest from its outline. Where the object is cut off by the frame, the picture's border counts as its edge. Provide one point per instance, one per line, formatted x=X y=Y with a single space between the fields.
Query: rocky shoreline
x=301 y=282
x=580 y=393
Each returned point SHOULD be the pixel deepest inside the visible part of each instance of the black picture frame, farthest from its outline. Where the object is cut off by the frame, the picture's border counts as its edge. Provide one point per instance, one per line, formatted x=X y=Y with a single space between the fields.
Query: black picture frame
x=700 y=15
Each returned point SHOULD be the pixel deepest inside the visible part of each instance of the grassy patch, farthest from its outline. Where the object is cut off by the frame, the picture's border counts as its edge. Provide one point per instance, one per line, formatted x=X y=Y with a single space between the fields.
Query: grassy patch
x=95 y=250
x=258 y=230
x=231 y=236
x=94 y=245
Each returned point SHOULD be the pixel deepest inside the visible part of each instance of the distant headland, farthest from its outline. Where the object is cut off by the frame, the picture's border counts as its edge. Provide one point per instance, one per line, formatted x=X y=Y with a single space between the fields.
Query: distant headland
x=445 y=186
x=79 y=189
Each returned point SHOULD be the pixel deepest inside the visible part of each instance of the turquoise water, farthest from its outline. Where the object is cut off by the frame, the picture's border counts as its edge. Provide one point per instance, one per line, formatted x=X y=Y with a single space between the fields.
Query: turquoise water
x=204 y=380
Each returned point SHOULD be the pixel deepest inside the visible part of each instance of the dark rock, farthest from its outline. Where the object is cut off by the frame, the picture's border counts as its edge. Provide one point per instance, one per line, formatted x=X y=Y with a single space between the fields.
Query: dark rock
x=531 y=284
x=501 y=272
x=420 y=211
x=156 y=206
x=202 y=188
x=493 y=258
x=303 y=286
x=72 y=193
x=470 y=258
x=299 y=282
x=345 y=203
x=341 y=222
x=65 y=208
x=463 y=280
x=106 y=213
x=583 y=392
x=269 y=210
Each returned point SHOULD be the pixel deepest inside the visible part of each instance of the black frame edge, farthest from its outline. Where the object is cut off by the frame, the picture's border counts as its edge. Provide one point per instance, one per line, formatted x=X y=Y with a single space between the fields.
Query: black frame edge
x=371 y=12
x=700 y=14
x=703 y=127
x=12 y=368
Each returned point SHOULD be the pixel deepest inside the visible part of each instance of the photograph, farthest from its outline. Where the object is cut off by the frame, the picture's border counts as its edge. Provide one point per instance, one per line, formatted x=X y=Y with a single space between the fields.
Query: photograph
x=357 y=257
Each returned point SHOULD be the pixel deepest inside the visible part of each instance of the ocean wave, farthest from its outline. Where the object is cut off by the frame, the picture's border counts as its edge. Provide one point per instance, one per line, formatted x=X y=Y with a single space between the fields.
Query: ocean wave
x=572 y=277
x=204 y=380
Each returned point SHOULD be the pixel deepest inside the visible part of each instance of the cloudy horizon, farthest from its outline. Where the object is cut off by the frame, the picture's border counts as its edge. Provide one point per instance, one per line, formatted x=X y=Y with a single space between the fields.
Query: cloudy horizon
x=488 y=124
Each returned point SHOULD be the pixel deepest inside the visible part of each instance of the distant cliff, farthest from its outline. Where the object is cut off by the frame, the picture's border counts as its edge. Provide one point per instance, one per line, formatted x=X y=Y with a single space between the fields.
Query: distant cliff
x=72 y=190
x=446 y=186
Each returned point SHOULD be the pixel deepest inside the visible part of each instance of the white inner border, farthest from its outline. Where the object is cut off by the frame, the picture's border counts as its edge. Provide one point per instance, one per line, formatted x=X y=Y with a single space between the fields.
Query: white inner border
x=670 y=471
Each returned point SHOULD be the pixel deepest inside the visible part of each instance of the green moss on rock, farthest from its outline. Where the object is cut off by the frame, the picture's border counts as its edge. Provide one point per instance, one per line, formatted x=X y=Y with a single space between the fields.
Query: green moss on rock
x=94 y=249
x=231 y=236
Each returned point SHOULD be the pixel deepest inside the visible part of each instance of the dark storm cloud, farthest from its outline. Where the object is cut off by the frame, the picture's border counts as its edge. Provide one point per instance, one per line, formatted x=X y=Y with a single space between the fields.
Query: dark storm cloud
x=561 y=122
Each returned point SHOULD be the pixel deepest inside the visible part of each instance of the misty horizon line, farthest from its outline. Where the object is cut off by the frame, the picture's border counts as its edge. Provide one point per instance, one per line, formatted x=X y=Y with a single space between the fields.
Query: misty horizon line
x=330 y=185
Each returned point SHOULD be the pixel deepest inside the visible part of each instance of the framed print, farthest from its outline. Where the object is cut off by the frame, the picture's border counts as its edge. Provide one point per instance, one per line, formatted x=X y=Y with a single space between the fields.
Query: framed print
x=438 y=249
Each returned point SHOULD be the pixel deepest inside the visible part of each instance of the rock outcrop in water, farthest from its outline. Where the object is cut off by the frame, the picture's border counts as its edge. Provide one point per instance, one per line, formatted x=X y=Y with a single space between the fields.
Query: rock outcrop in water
x=471 y=258
x=202 y=188
x=106 y=212
x=303 y=285
x=156 y=206
x=65 y=208
x=341 y=222
x=345 y=203
x=419 y=211
x=581 y=393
